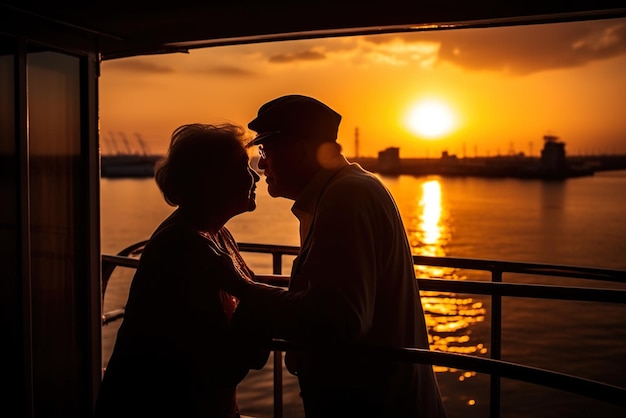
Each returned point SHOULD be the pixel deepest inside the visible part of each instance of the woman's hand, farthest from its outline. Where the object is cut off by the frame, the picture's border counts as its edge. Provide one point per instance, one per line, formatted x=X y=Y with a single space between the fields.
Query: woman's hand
x=234 y=280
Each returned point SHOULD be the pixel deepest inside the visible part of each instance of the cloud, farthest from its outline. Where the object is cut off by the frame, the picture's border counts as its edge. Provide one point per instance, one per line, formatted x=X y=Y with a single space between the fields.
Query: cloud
x=530 y=49
x=290 y=57
x=220 y=64
x=357 y=50
x=395 y=50
x=139 y=65
x=227 y=71
x=517 y=50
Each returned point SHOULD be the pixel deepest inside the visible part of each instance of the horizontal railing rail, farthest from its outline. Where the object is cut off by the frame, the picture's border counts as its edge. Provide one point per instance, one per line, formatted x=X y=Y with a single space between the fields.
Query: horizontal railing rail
x=586 y=387
x=537 y=269
x=496 y=289
x=583 y=294
x=540 y=291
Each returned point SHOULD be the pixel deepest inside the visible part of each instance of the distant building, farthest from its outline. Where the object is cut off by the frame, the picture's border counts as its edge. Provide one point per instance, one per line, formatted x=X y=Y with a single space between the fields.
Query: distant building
x=553 y=159
x=389 y=160
x=446 y=156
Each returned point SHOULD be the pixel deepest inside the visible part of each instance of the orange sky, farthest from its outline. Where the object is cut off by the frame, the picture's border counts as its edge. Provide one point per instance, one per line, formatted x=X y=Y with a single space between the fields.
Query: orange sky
x=505 y=88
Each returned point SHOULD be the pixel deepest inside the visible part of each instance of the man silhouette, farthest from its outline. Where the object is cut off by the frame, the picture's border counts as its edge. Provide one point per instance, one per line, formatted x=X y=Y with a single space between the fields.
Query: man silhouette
x=353 y=282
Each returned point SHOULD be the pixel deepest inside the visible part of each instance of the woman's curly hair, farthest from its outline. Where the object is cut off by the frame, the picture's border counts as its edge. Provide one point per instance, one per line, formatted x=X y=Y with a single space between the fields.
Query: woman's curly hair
x=197 y=149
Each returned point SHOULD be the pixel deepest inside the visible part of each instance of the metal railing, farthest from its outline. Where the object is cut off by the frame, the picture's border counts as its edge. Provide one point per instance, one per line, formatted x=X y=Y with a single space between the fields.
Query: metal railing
x=495 y=288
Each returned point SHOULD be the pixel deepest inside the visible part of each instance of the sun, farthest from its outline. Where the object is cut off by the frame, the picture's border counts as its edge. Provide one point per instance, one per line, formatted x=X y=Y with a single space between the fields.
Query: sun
x=431 y=118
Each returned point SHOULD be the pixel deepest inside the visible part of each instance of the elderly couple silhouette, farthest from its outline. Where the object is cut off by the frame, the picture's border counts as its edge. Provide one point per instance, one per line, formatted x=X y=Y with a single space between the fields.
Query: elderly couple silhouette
x=352 y=283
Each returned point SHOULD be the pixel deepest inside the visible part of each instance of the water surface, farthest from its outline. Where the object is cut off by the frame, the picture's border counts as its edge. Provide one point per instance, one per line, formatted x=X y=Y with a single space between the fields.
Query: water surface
x=574 y=222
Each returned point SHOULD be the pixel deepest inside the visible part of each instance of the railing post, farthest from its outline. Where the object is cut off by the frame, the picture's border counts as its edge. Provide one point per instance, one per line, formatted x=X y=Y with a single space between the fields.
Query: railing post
x=496 y=346
x=277 y=263
x=277 y=268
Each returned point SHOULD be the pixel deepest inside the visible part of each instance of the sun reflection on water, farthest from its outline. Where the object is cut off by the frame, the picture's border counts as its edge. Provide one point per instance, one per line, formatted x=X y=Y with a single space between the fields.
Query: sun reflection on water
x=449 y=317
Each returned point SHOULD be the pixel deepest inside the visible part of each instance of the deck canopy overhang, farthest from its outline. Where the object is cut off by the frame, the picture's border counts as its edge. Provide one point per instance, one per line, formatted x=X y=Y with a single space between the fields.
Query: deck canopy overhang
x=123 y=29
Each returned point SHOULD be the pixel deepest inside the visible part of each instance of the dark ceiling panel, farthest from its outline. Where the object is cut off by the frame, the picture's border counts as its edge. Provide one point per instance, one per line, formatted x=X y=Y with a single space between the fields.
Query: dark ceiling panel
x=133 y=28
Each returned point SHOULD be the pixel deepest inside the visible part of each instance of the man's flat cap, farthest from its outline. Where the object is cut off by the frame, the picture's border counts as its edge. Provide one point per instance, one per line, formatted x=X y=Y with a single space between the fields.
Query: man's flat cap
x=295 y=115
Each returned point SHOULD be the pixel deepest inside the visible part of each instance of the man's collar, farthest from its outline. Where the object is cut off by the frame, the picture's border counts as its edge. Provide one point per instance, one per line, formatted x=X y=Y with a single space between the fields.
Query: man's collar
x=308 y=198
